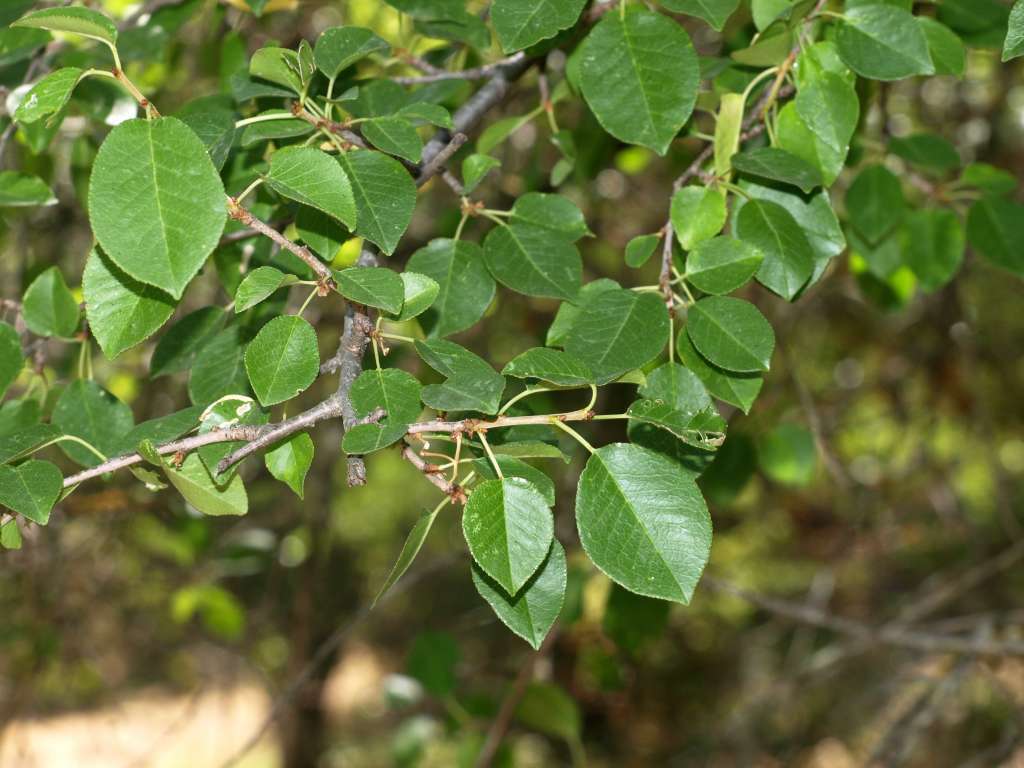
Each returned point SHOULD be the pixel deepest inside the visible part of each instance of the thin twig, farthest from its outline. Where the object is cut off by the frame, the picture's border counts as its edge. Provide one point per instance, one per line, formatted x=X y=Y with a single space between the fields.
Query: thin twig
x=474 y=73
x=183 y=446
x=503 y=720
x=888 y=634
x=241 y=214
x=438 y=162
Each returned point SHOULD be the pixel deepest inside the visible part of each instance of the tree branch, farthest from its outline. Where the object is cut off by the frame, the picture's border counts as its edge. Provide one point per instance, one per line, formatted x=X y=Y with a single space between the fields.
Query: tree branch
x=888 y=634
x=474 y=73
x=241 y=214
x=185 y=445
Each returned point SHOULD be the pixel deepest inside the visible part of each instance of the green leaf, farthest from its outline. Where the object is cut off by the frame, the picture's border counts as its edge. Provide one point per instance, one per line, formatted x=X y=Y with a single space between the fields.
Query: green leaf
x=533 y=611
x=788 y=257
x=815 y=218
x=12 y=360
x=702 y=430
x=928 y=151
x=258 y=285
x=195 y=484
x=495 y=133
x=320 y=232
x=618 y=331
x=728 y=126
x=531 y=449
x=569 y=311
x=550 y=365
x=778 y=165
x=714 y=12
x=988 y=178
x=471 y=385
x=509 y=528
x=287 y=127
x=213 y=121
x=639 y=75
x=722 y=264
x=48 y=307
x=995 y=227
x=874 y=202
x=385 y=196
x=394 y=390
x=882 y=42
x=283 y=359
x=410 y=549
x=678 y=419
x=533 y=261
x=372 y=286
x=947 y=50
x=24 y=440
x=739 y=389
x=934 y=246
x=829 y=107
x=465 y=286
x=513 y=467
x=640 y=249
x=338 y=48
x=522 y=23
x=697 y=214
x=156 y=203
x=290 y=460
x=278 y=65
x=23 y=190
x=642 y=522
x=73 y=19
x=311 y=177
x=87 y=411
x=423 y=113
x=555 y=213
x=10 y=535
x=121 y=311
x=788 y=455
x=394 y=135
x=818 y=59
x=793 y=135
x=474 y=168
x=1014 y=44
x=675 y=385
x=48 y=96
x=177 y=348
x=731 y=333
x=31 y=489
x=420 y=293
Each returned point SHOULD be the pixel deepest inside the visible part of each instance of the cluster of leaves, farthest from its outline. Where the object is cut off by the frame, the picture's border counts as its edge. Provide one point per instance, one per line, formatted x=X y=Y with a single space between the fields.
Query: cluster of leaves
x=322 y=137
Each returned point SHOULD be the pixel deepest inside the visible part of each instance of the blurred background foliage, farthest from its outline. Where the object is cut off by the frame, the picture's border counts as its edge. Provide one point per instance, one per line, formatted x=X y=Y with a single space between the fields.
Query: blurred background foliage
x=881 y=474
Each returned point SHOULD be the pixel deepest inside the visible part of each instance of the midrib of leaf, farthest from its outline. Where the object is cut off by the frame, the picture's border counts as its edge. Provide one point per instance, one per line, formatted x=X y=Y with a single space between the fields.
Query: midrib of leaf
x=28 y=492
x=725 y=332
x=639 y=522
x=532 y=263
x=618 y=331
x=280 y=360
x=536 y=9
x=639 y=79
x=354 y=181
x=159 y=204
